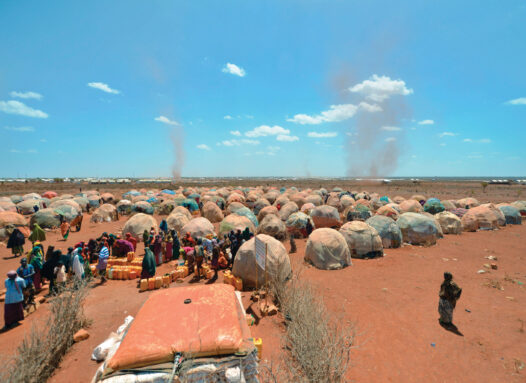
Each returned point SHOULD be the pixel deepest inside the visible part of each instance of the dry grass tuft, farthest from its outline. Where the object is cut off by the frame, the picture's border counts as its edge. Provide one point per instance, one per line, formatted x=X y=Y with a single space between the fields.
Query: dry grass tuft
x=318 y=342
x=43 y=348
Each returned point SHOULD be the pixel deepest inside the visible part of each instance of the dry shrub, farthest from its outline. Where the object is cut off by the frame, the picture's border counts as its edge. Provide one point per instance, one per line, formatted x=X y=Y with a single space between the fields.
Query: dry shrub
x=43 y=348
x=319 y=343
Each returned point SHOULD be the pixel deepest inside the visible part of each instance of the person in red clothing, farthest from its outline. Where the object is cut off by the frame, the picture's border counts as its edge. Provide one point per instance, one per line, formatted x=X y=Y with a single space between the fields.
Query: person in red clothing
x=132 y=240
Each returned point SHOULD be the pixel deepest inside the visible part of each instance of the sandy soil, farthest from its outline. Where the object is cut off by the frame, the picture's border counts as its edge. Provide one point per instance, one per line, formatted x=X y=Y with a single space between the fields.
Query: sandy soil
x=392 y=301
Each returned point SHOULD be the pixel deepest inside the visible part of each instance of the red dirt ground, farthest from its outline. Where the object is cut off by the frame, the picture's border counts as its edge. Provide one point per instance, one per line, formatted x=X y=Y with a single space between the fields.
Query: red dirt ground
x=392 y=301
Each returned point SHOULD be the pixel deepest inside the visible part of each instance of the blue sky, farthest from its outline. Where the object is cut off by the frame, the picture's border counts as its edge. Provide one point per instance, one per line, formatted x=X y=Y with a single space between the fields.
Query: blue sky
x=274 y=88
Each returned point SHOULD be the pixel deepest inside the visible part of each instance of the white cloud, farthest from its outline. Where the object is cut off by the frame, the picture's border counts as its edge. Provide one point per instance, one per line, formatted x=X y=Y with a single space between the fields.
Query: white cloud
x=43 y=140
x=442 y=144
x=322 y=134
x=265 y=130
x=447 y=134
x=203 y=147
x=103 y=87
x=273 y=148
x=391 y=128
x=227 y=117
x=28 y=94
x=335 y=113
x=390 y=139
x=517 y=101
x=287 y=138
x=235 y=133
x=481 y=141
x=426 y=122
x=166 y=120
x=236 y=142
x=234 y=69
x=17 y=107
x=379 y=88
x=20 y=128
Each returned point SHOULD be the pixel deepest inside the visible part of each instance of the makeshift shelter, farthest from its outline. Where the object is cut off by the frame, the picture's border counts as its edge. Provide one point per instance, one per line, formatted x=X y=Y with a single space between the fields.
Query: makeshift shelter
x=213 y=345
x=16 y=198
x=166 y=207
x=398 y=199
x=234 y=206
x=94 y=200
x=287 y=209
x=124 y=207
x=388 y=211
x=8 y=206
x=49 y=194
x=105 y=213
x=198 y=227
x=357 y=213
x=468 y=203
x=315 y=199
x=142 y=207
x=191 y=205
x=68 y=212
x=266 y=211
x=334 y=201
x=410 y=206
x=27 y=206
x=433 y=206
x=107 y=197
x=235 y=222
x=83 y=202
x=387 y=229
x=260 y=204
x=449 y=205
x=297 y=198
x=139 y=198
x=417 y=229
x=449 y=222
x=273 y=226
x=66 y=202
x=281 y=201
x=325 y=216
x=501 y=220
x=8 y=218
x=307 y=207
x=137 y=224
x=235 y=197
x=327 y=249
x=297 y=224
x=31 y=196
x=277 y=262
x=419 y=198
x=437 y=224
x=46 y=219
x=176 y=221
x=521 y=206
x=212 y=212
x=511 y=214
x=182 y=210
x=363 y=240
x=245 y=211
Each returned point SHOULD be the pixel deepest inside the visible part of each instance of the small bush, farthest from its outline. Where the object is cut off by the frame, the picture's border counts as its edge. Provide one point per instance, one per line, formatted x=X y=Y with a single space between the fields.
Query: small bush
x=43 y=348
x=319 y=343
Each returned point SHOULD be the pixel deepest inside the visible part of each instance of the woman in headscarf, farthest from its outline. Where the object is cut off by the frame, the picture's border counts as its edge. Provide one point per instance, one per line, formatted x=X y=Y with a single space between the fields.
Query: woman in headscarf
x=158 y=249
x=104 y=254
x=163 y=226
x=48 y=268
x=132 y=240
x=37 y=234
x=14 y=300
x=168 y=248
x=16 y=242
x=78 y=269
x=246 y=234
x=148 y=265
x=122 y=247
x=64 y=229
x=37 y=262
x=176 y=245
x=49 y=252
x=199 y=254
x=215 y=260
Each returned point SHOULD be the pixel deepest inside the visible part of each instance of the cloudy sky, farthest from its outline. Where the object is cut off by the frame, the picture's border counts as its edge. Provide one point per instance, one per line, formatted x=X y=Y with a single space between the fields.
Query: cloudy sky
x=274 y=88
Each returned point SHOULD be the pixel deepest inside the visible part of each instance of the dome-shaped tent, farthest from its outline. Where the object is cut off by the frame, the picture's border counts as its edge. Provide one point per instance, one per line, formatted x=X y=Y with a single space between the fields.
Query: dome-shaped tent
x=388 y=211
x=325 y=216
x=449 y=222
x=137 y=224
x=8 y=218
x=142 y=207
x=388 y=231
x=327 y=249
x=105 y=213
x=176 y=221
x=417 y=229
x=259 y=204
x=277 y=263
x=266 y=211
x=511 y=214
x=29 y=206
x=297 y=223
x=273 y=226
x=433 y=206
x=287 y=209
x=235 y=222
x=363 y=240
x=521 y=206
x=468 y=203
x=410 y=206
x=124 y=207
x=198 y=227
x=212 y=212
x=46 y=219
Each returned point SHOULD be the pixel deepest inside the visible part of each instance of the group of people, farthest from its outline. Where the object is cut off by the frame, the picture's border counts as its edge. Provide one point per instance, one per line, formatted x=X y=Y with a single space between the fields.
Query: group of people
x=166 y=246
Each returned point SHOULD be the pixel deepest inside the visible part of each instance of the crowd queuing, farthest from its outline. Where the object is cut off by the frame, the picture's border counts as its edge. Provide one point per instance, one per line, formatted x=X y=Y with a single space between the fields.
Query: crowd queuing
x=73 y=267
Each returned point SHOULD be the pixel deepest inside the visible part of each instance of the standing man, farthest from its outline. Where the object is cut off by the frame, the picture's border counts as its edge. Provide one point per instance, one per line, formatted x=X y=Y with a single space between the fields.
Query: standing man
x=449 y=295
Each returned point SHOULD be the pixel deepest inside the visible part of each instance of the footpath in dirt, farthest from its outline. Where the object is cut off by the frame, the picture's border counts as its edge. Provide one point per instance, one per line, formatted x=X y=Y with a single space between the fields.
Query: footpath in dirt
x=391 y=301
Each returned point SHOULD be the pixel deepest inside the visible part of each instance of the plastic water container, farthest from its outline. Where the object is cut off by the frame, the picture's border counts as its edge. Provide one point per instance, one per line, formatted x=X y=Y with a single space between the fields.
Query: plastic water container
x=151 y=283
x=158 y=282
x=258 y=342
x=110 y=274
x=143 y=285
x=166 y=280
x=132 y=274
